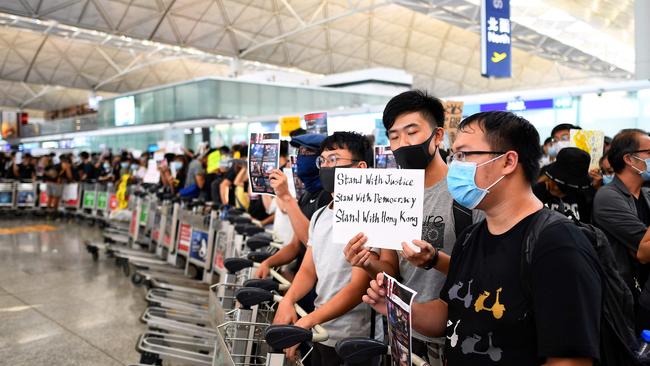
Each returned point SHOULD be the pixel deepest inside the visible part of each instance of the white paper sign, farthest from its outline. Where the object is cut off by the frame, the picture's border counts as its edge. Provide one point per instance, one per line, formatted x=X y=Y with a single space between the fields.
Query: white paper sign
x=384 y=204
x=152 y=175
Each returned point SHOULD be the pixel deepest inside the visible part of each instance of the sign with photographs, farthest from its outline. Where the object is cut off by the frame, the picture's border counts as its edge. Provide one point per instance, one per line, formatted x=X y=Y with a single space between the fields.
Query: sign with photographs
x=316 y=123
x=590 y=141
x=263 y=157
x=398 y=306
x=453 y=114
x=384 y=158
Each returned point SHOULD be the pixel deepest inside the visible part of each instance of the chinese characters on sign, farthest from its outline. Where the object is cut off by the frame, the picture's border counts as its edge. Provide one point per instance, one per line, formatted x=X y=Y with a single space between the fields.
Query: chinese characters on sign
x=496 y=56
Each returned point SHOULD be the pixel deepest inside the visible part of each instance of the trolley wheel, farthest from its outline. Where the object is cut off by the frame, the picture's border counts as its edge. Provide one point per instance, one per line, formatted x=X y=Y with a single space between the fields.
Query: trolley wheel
x=150 y=359
x=137 y=279
x=126 y=269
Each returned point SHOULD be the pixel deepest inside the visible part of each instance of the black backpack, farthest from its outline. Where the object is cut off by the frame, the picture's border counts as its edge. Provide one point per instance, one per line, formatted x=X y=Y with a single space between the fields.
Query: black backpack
x=618 y=342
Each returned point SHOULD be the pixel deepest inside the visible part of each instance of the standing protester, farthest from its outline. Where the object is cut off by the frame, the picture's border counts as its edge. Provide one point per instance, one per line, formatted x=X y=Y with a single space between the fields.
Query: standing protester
x=484 y=312
x=566 y=187
x=339 y=285
x=87 y=169
x=622 y=210
x=414 y=121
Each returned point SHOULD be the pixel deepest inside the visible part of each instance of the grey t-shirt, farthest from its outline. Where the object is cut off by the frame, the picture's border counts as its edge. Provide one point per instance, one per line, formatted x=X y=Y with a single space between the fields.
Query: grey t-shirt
x=438 y=229
x=334 y=273
x=195 y=168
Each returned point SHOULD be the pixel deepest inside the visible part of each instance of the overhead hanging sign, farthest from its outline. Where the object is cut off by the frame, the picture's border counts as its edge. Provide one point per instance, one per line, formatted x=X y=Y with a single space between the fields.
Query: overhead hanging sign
x=496 y=55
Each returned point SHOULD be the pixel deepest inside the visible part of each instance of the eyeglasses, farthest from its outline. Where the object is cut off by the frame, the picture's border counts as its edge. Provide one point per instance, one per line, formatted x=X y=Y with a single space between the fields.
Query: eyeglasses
x=462 y=155
x=331 y=161
x=640 y=151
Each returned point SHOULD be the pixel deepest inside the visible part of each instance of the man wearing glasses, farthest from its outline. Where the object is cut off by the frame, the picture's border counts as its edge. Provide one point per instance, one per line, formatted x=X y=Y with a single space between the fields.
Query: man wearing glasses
x=413 y=121
x=339 y=285
x=621 y=210
x=483 y=311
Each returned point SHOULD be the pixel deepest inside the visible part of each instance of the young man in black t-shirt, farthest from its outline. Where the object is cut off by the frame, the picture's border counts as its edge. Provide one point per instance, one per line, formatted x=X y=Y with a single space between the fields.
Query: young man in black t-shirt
x=483 y=310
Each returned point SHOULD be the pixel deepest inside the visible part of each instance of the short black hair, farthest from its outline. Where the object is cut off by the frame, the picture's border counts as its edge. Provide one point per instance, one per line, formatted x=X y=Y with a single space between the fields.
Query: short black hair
x=84 y=155
x=224 y=150
x=625 y=142
x=548 y=140
x=564 y=127
x=431 y=108
x=356 y=143
x=284 y=148
x=506 y=131
x=297 y=132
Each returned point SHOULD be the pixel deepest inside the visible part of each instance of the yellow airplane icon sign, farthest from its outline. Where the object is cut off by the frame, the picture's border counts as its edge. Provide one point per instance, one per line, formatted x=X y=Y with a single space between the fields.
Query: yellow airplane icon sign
x=498 y=57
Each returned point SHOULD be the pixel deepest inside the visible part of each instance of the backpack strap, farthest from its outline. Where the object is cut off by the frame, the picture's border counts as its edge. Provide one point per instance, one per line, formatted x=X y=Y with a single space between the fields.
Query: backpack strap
x=542 y=219
x=462 y=218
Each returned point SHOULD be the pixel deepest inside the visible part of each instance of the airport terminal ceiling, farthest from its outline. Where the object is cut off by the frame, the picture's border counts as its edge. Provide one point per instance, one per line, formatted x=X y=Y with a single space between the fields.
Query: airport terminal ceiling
x=53 y=52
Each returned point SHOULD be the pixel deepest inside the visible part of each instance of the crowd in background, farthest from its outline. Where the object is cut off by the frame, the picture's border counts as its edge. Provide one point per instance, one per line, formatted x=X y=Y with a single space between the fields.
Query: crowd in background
x=612 y=196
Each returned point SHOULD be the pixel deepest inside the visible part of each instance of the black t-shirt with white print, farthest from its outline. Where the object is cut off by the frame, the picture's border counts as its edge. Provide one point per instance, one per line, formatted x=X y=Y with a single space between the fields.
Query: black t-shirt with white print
x=490 y=320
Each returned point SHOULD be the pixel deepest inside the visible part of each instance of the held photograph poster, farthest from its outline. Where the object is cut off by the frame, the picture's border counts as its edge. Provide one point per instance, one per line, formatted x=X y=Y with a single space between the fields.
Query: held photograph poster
x=384 y=204
x=453 y=114
x=384 y=158
x=316 y=123
x=590 y=141
x=263 y=157
x=398 y=305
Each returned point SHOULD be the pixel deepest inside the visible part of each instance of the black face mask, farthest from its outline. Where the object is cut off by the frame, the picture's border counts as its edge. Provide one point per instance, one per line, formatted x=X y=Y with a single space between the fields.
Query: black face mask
x=415 y=156
x=327 y=177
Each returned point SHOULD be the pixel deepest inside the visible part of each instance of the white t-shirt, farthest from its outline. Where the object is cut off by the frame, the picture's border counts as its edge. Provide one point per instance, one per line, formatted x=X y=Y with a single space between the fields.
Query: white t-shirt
x=334 y=273
x=281 y=223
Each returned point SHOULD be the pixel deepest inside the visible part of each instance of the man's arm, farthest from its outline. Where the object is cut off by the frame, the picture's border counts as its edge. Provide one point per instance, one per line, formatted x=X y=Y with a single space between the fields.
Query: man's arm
x=284 y=256
x=299 y=222
x=615 y=216
x=643 y=254
x=429 y=318
x=344 y=301
x=224 y=191
x=303 y=283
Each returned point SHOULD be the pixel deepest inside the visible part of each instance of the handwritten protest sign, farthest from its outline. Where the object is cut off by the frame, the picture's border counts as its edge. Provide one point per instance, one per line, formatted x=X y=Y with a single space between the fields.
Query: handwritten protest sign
x=289 y=124
x=591 y=142
x=385 y=204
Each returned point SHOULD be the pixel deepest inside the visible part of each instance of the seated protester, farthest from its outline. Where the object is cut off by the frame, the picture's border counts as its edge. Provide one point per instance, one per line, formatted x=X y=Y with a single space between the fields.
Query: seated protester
x=301 y=210
x=603 y=175
x=105 y=173
x=87 y=169
x=413 y=121
x=339 y=285
x=566 y=186
x=226 y=189
x=485 y=314
x=621 y=210
x=26 y=170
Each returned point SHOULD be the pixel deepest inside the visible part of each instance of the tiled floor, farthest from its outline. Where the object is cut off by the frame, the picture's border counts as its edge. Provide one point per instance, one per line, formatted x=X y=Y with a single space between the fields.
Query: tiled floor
x=57 y=306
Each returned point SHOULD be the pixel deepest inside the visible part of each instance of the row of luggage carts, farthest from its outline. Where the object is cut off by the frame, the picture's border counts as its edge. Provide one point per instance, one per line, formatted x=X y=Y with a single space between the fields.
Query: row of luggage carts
x=92 y=201
x=205 y=307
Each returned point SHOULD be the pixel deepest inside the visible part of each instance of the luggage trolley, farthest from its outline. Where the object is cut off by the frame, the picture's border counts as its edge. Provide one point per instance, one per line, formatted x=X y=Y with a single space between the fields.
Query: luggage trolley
x=7 y=195
x=89 y=201
x=71 y=198
x=102 y=208
x=26 y=196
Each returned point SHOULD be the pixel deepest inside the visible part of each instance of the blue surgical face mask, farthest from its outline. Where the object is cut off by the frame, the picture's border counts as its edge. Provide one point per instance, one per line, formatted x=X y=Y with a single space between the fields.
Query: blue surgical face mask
x=176 y=165
x=106 y=166
x=645 y=174
x=308 y=172
x=608 y=178
x=461 y=184
x=124 y=165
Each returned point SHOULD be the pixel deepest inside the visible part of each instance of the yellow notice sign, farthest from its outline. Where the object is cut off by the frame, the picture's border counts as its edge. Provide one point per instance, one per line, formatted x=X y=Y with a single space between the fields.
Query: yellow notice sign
x=27 y=229
x=214 y=159
x=289 y=124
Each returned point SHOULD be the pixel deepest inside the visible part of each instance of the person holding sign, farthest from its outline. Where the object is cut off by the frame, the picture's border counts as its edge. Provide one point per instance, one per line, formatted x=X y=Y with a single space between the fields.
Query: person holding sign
x=484 y=311
x=414 y=122
x=339 y=285
x=299 y=209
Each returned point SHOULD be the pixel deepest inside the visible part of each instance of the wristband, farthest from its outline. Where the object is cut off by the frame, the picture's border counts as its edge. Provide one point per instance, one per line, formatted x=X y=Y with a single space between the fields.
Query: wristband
x=432 y=263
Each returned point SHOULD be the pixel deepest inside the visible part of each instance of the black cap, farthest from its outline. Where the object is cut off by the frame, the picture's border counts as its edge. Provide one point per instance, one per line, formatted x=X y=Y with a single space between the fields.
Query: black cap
x=571 y=168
